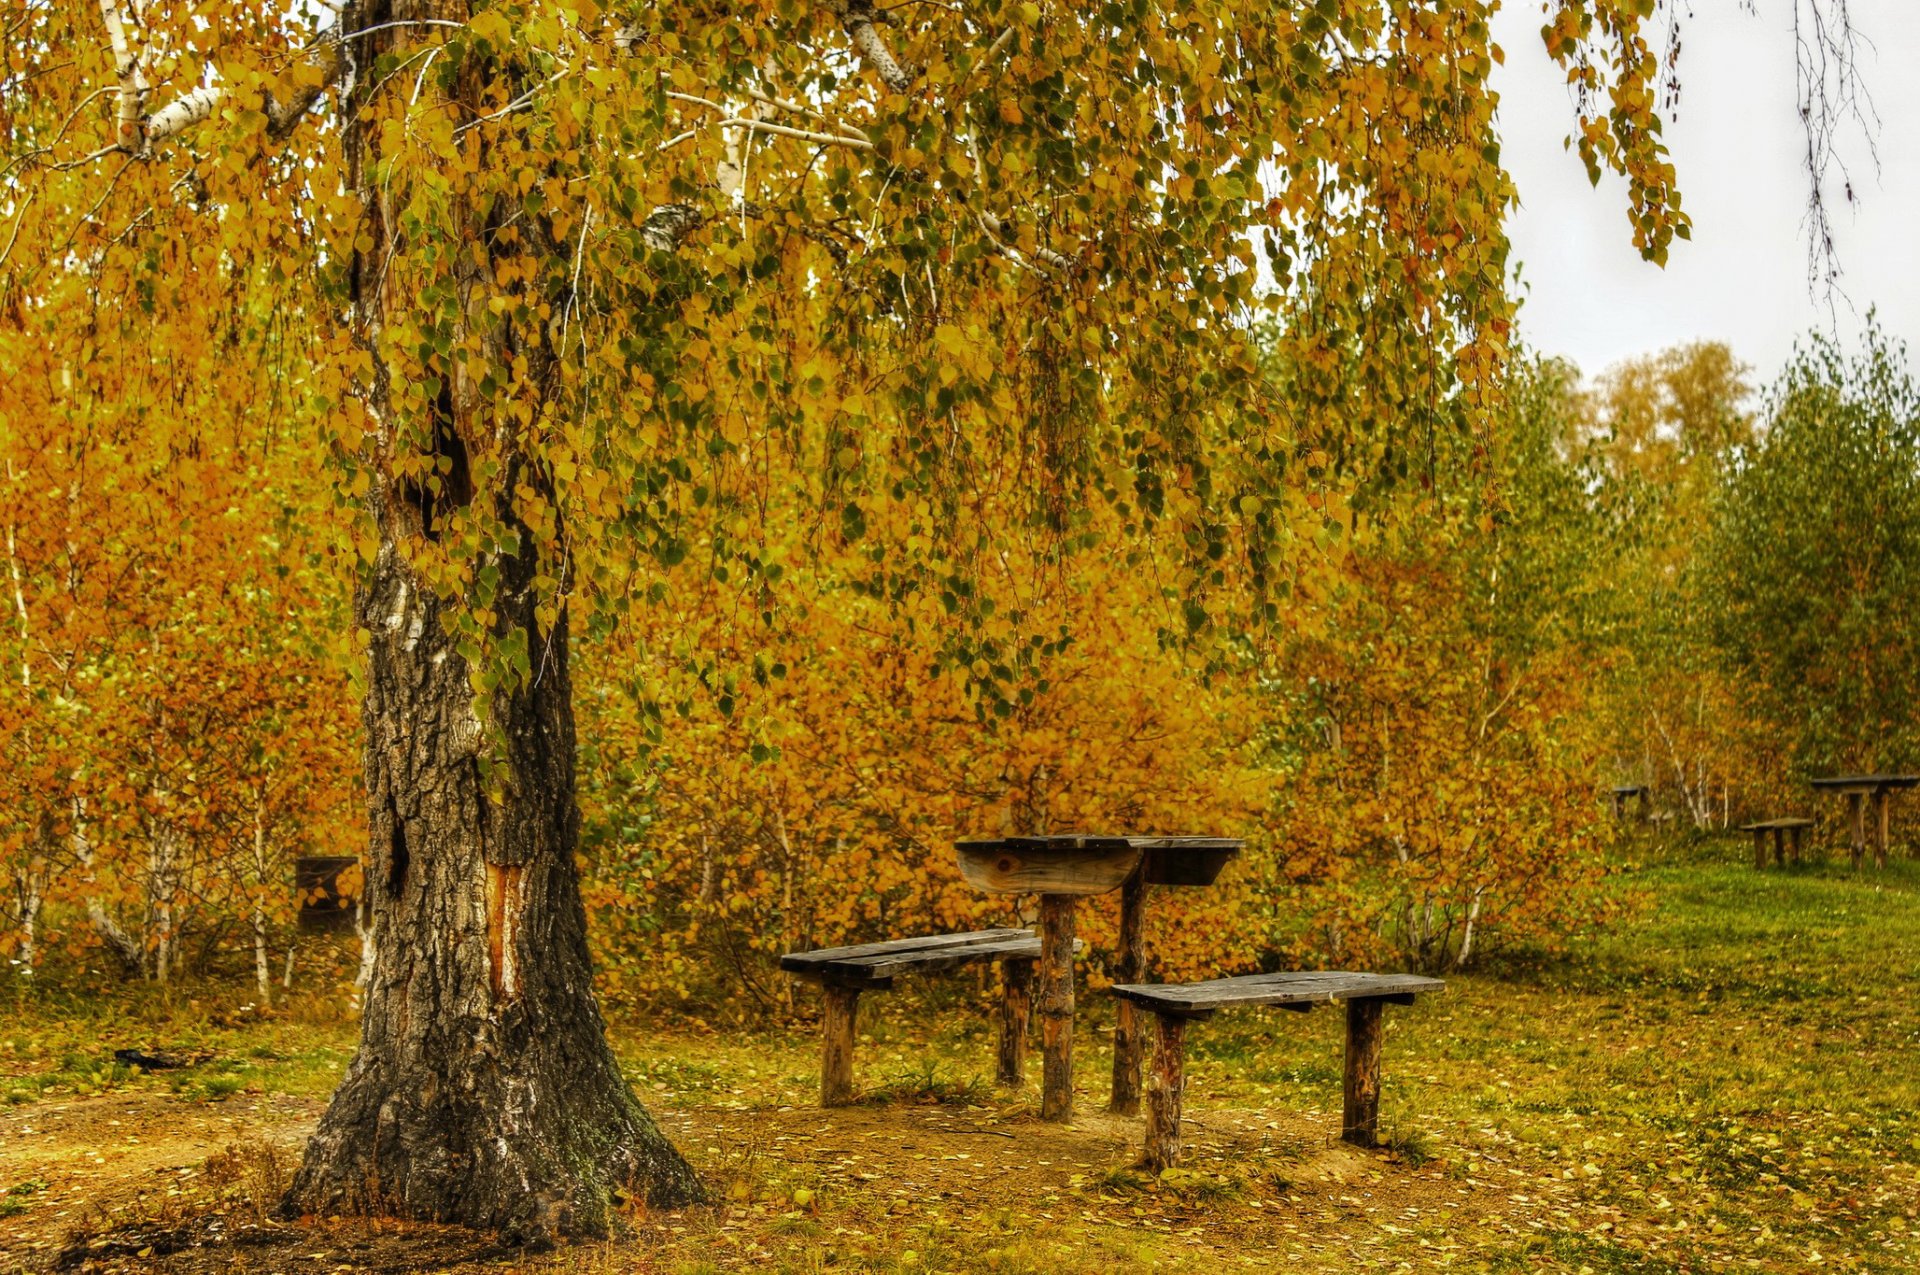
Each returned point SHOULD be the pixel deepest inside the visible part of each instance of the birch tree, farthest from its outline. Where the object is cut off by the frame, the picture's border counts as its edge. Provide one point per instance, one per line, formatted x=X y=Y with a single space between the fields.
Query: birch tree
x=577 y=259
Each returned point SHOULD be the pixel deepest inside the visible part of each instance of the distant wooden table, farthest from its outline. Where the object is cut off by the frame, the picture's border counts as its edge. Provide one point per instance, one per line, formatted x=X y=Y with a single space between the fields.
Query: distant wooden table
x=1623 y=792
x=1858 y=788
x=1060 y=870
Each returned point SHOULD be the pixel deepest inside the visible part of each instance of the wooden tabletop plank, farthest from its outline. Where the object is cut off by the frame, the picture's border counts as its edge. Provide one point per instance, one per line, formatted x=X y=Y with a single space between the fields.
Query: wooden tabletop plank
x=1287 y=988
x=1865 y=783
x=1767 y=825
x=821 y=956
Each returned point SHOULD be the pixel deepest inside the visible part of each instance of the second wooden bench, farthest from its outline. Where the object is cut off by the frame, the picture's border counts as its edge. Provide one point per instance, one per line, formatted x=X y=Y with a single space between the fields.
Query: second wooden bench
x=1175 y=1004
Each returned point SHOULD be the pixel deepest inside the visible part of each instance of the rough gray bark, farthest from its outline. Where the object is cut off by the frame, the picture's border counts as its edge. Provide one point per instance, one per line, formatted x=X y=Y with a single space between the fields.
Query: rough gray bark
x=484 y=1091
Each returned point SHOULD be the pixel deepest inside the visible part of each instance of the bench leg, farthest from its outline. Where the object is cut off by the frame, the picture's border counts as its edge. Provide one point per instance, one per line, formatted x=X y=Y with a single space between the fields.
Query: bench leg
x=1016 y=1009
x=1360 y=1123
x=1165 y=1088
x=1857 y=808
x=1882 y=800
x=1130 y=967
x=1759 y=848
x=842 y=1004
x=1779 y=847
x=1056 y=1007
x=1795 y=850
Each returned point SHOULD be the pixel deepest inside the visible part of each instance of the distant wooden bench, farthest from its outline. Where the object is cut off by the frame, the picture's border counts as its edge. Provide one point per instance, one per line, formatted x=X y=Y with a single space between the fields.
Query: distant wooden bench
x=845 y=972
x=1780 y=828
x=1173 y=1004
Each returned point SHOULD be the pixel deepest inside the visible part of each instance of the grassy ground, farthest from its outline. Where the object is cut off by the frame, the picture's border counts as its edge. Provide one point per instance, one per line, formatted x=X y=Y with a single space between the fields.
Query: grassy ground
x=1727 y=1081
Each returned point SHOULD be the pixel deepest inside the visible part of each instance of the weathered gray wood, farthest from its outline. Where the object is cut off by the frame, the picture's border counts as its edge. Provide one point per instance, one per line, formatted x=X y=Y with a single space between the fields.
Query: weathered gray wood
x=1130 y=966
x=1360 y=1119
x=1768 y=825
x=841 y=1008
x=1056 y=1007
x=1302 y=989
x=1165 y=1089
x=803 y=962
x=889 y=964
x=1016 y=1010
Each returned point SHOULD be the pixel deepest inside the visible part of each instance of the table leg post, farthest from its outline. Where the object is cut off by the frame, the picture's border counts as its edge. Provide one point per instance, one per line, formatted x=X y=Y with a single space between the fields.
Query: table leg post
x=1779 y=847
x=1796 y=845
x=1360 y=1123
x=1130 y=966
x=1857 y=808
x=1759 y=848
x=842 y=1004
x=1056 y=1007
x=1165 y=1088
x=1016 y=1008
x=1882 y=800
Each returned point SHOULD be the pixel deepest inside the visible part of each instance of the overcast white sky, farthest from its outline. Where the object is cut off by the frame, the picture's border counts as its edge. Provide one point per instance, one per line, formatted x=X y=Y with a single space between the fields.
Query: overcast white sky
x=1738 y=147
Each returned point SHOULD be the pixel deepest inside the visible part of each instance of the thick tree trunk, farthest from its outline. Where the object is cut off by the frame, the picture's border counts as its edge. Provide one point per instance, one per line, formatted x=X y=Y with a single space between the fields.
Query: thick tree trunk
x=484 y=1091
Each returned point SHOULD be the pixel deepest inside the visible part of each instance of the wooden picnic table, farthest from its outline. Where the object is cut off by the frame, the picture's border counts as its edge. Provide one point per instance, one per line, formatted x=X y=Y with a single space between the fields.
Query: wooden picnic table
x=1061 y=869
x=1858 y=788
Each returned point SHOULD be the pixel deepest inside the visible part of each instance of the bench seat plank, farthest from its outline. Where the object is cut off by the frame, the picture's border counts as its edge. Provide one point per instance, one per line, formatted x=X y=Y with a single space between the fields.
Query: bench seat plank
x=1305 y=987
x=887 y=964
x=1767 y=825
x=806 y=962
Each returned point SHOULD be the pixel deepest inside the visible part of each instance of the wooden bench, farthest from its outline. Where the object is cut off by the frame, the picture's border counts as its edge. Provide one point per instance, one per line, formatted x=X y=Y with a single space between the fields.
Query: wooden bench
x=845 y=972
x=1779 y=828
x=1174 y=1004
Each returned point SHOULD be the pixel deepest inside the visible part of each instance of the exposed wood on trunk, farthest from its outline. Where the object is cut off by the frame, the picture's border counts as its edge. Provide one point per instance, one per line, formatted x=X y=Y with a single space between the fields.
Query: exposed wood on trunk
x=1130 y=966
x=262 y=967
x=840 y=1009
x=1056 y=1007
x=1165 y=1089
x=1360 y=1120
x=1016 y=1009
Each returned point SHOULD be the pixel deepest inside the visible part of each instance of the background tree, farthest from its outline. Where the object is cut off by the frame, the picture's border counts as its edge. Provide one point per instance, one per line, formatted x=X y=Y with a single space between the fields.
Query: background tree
x=1660 y=434
x=1813 y=561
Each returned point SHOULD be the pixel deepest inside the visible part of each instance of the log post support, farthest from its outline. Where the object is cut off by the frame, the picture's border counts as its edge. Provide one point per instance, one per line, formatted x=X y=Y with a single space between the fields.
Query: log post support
x=1779 y=847
x=1165 y=1087
x=1016 y=1009
x=1360 y=1123
x=1130 y=966
x=1056 y=1007
x=1759 y=848
x=1857 y=807
x=841 y=1005
x=1796 y=843
x=1882 y=801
